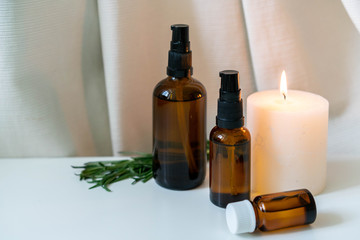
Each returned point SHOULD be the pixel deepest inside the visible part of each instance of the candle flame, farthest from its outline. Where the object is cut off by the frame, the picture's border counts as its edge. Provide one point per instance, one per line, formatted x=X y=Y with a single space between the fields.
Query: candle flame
x=283 y=84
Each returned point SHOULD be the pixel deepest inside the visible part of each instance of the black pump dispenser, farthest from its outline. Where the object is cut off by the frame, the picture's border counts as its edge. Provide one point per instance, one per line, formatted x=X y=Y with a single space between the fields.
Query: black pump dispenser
x=230 y=107
x=179 y=64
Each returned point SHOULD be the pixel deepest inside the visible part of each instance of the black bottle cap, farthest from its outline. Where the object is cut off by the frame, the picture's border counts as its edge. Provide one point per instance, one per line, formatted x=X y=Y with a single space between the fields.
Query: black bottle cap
x=229 y=80
x=230 y=107
x=179 y=64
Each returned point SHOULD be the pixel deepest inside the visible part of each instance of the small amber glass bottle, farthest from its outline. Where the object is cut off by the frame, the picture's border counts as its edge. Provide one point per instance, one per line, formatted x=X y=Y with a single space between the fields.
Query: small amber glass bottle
x=272 y=211
x=229 y=146
x=179 y=120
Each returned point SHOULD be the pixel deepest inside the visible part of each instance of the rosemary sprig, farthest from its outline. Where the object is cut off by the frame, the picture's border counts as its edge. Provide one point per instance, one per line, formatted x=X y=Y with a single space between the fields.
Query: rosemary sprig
x=104 y=173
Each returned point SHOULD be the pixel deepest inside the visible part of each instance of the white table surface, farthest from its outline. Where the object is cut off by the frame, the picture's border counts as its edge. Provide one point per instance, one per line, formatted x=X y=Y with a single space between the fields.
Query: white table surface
x=43 y=199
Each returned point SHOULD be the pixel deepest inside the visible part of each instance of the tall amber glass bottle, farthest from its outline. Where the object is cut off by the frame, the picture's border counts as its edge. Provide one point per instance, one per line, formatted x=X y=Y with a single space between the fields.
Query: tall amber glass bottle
x=272 y=211
x=179 y=120
x=229 y=146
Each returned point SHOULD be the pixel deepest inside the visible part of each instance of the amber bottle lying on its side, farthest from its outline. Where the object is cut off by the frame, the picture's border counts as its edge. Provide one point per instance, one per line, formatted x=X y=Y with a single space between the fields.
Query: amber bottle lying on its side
x=272 y=211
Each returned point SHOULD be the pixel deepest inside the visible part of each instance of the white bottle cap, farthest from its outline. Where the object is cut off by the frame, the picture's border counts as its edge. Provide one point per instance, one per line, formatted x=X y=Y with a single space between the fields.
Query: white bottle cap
x=240 y=217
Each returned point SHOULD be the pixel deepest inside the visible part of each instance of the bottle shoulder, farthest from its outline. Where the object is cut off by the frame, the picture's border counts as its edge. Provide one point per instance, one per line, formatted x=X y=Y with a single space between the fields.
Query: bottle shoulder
x=179 y=89
x=236 y=136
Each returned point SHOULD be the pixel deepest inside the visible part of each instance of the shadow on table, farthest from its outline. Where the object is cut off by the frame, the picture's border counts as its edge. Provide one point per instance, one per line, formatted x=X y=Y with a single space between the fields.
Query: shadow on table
x=323 y=220
x=342 y=174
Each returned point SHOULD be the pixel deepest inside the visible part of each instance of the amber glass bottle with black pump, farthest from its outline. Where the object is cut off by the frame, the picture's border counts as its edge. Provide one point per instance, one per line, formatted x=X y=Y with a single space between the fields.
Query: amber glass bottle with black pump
x=272 y=211
x=179 y=120
x=229 y=146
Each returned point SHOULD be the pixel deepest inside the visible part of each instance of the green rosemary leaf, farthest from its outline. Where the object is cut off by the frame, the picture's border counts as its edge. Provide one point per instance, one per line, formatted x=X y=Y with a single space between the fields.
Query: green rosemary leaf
x=104 y=173
x=78 y=166
x=95 y=186
x=106 y=188
x=102 y=164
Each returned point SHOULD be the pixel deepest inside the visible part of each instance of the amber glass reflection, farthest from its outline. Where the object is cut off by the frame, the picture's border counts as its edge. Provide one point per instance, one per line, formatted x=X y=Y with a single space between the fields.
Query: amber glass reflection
x=285 y=209
x=179 y=133
x=229 y=165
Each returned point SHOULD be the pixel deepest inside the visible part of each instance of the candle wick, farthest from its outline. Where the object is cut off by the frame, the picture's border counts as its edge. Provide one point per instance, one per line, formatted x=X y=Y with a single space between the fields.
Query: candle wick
x=284 y=96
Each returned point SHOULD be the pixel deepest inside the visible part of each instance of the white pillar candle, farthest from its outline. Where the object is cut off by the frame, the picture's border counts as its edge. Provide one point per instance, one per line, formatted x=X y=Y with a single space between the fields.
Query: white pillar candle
x=289 y=141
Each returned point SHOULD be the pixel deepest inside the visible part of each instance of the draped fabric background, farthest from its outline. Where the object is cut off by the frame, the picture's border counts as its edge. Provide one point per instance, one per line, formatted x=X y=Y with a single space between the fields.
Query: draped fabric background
x=76 y=77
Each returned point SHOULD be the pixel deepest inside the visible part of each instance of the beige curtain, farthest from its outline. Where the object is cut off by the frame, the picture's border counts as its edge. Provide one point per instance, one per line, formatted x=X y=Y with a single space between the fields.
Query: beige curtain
x=76 y=77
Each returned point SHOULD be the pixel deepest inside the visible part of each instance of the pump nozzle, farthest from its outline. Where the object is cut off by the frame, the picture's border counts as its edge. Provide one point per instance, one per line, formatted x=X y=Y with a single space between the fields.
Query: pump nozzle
x=229 y=90
x=180 y=38
x=179 y=64
x=229 y=80
x=230 y=110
